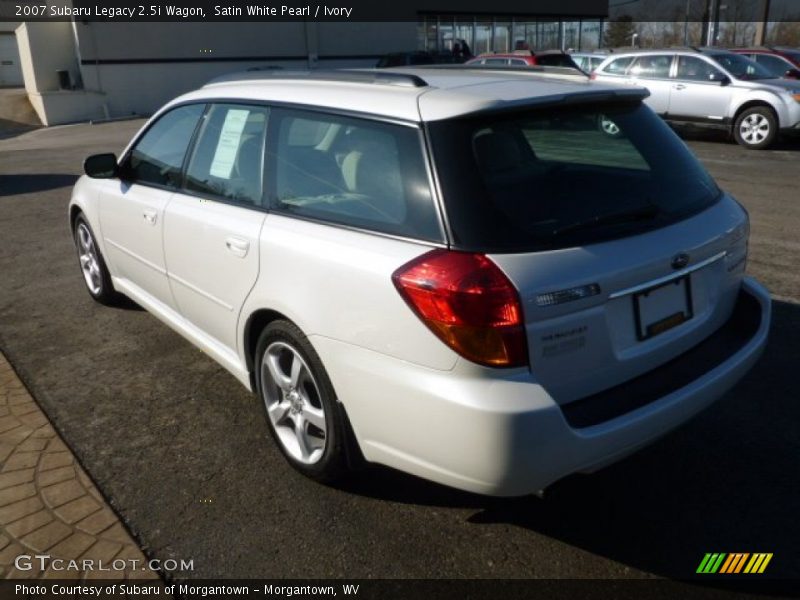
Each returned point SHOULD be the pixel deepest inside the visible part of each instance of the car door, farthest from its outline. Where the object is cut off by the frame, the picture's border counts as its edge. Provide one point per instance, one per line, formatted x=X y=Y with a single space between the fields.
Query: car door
x=700 y=91
x=212 y=226
x=652 y=71
x=131 y=209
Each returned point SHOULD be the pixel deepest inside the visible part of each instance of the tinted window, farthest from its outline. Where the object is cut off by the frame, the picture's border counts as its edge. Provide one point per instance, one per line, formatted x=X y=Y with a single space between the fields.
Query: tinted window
x=652 y=67
x=740 y=66
x=618 y=66
x=553 y=178
x=158 y=155
x=351 y=171
x=495 y=61
x=228 y=157
x=555 y=60
x=696 y=69
x=776 y=66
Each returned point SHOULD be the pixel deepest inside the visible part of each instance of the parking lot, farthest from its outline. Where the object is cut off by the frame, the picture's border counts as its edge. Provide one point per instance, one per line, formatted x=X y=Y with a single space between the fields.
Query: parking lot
x=181 y=451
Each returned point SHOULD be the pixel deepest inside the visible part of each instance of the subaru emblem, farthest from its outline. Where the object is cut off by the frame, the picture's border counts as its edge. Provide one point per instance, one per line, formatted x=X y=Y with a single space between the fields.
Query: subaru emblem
x=680 y=260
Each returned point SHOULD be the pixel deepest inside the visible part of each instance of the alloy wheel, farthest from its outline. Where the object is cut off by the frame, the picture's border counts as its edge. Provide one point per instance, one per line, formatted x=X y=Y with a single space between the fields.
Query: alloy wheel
x=293 y=403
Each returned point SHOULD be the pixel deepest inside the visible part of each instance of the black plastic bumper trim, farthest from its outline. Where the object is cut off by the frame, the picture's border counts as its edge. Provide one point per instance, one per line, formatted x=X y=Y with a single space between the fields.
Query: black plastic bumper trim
x=673 y=375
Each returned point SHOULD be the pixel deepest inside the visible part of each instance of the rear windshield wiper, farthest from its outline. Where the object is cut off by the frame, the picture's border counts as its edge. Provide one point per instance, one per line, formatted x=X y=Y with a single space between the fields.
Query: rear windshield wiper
x=644 y=213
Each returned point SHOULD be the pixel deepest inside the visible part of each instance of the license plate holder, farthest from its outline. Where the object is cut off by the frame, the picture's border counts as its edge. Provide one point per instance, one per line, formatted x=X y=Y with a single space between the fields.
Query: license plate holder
x=660 y=308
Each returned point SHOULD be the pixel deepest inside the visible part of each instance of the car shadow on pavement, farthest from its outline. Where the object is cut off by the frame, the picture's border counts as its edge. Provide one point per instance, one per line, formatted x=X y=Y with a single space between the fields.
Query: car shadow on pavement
x=689 y=133
x=11 y=185
x=724 y=482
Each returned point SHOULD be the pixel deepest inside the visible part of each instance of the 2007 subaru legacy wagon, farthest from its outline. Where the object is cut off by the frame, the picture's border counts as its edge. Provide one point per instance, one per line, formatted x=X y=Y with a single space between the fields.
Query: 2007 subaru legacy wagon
x=455 y=273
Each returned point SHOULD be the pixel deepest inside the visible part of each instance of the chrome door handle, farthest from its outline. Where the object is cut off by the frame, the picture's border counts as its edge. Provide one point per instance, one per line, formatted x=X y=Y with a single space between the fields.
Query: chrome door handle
x=237 y=246
x=150 y=216
x=679 y=86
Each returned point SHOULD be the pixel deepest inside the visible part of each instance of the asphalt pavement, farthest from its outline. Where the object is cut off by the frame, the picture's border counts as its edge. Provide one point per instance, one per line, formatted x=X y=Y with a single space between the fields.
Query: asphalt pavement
x=181 y=450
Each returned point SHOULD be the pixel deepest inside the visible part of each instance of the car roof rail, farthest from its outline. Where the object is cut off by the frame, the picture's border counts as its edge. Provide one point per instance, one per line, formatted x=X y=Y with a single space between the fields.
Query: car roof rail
x=378 y=77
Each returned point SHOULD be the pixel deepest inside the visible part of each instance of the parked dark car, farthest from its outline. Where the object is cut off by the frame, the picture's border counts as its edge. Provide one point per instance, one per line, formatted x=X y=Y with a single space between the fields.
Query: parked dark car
x=419 y=57
x=780 y=62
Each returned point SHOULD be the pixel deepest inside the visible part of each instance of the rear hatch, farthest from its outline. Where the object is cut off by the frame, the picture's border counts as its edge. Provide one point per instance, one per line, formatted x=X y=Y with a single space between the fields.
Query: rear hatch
x=622 y=248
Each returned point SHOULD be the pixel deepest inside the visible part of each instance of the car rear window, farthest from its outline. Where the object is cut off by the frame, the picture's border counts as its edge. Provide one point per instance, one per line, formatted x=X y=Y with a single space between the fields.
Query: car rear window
x=559 y=177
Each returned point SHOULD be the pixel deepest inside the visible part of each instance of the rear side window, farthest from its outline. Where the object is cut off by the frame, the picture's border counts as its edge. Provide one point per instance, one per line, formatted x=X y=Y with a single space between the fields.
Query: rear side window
x=696 y=69
x=228 y=158
x=158 y=156
x=652 y=67
x=560 y=177
x=350 y=171
x=618 y=66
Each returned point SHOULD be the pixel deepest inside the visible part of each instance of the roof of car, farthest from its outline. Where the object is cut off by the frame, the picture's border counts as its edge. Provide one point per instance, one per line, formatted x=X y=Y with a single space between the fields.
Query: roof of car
x=411 y=93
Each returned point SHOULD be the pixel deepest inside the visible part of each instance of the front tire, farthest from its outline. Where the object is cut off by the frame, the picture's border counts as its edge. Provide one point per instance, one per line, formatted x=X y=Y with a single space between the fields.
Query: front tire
x=756 y=128
x=299 y=403
x=93 y=266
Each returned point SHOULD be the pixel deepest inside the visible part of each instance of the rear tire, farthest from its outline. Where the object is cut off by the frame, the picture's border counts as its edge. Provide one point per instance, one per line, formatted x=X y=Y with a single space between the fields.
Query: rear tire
x=756 y=128
x=93 y=266
x=299 y=403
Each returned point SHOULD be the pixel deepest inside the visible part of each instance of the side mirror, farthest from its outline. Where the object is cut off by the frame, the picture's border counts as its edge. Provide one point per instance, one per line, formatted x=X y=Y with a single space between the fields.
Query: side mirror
x=792 y=74
x=720 y=78
x=101 y=166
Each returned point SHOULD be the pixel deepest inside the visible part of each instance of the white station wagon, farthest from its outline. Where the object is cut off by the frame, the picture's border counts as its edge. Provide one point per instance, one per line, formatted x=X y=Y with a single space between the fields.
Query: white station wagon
x=452 y=272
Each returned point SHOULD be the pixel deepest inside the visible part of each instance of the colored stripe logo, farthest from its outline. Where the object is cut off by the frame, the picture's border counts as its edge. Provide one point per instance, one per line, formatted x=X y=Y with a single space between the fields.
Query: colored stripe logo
x=733 y=563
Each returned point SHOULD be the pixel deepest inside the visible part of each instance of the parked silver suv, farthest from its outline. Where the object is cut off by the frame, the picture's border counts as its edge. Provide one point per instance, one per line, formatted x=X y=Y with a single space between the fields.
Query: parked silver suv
x=711 y=87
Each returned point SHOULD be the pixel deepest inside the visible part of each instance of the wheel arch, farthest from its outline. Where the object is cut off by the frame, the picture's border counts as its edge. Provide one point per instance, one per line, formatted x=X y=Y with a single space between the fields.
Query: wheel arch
x=754 y=104
x=253 y=327
x=74 y=211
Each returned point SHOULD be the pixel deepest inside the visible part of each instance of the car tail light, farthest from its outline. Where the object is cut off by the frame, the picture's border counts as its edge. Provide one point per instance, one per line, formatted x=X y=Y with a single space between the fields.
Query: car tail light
x=469 y=303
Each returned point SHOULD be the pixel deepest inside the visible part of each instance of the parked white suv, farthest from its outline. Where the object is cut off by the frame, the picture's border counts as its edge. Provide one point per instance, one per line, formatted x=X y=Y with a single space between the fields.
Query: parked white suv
x=713 y=88
x=451 y=272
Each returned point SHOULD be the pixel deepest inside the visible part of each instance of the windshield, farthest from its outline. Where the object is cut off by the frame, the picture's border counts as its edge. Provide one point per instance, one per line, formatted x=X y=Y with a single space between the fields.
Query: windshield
x=560 y=177
x=740 y=66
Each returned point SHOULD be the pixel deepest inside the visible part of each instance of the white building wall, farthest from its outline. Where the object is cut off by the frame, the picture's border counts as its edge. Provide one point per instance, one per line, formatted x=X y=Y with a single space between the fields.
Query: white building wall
x=140 y=66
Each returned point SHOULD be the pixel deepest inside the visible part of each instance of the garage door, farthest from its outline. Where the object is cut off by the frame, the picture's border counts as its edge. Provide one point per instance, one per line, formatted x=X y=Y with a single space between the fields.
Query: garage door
x=10 y=71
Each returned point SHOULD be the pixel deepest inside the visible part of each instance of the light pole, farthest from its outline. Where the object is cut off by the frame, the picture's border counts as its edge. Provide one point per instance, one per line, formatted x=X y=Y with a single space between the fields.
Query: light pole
x=633 y=40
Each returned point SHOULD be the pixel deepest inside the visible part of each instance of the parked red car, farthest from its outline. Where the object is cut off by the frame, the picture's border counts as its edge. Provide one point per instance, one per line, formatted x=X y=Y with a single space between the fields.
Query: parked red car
x=780 y=62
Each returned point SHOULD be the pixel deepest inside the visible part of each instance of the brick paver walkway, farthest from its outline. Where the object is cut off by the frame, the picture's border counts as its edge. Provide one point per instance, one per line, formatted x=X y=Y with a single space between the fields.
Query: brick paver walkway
x=48 y=505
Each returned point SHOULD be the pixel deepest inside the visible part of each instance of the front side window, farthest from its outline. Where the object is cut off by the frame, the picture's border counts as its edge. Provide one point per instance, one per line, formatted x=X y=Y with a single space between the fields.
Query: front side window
x=228 y=157
x=158 y=156
x=350 y=171
x=691 y=68
x=549 y=178
x=776 y=65
x=740 y=67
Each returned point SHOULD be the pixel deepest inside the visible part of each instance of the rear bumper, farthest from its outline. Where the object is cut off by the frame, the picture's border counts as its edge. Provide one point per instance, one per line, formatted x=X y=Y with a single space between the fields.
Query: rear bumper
x=507 y=436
